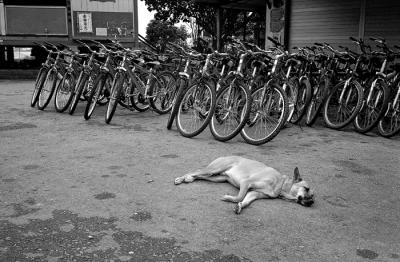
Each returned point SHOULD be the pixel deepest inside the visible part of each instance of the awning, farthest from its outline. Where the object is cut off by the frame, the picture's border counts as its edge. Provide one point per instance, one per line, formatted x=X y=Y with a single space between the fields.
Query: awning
x=237 y=4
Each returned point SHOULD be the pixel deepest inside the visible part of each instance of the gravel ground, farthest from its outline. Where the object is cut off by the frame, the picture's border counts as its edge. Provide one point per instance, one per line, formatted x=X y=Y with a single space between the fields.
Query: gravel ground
x=76 y=190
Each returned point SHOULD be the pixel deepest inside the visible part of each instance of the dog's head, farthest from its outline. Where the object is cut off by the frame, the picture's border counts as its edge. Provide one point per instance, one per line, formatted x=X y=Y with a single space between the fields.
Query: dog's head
x=301 y=191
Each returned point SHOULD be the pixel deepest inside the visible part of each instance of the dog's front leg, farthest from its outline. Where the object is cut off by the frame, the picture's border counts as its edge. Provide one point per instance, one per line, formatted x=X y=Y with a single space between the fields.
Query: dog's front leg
x=250 y=197
x=242 y=193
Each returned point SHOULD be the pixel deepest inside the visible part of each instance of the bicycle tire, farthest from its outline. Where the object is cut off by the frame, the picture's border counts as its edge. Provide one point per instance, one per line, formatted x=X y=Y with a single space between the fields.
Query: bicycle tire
x=180 y=87
x=317 y=101
x=114 y=97
x=275 y=103
x=377 y=108
x=199 y=101
x=64 y=92
x=292 y=86
x=161 y=92
x=389 y=124
x=333 y=99
x=95 y=94
x=38 y=85
x=304 y=95
x=82 y=82
x=137 y=100
x=241 y=99
x=47 y=89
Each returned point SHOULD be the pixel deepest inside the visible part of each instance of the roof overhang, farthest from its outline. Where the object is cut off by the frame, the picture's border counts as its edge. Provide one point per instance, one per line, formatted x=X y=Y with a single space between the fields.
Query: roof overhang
x=237 y=4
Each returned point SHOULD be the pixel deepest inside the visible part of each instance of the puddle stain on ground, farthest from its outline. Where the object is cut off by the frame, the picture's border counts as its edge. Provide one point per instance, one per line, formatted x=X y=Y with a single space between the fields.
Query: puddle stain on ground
x=239 y=154
x=21 y=209
x=354 y=167
x=16 y=126
x=104 y=195
x=170 y=156
x=139 y=128
x=68 y=237
x=8 y=180
x=336 y=201
x=31 y=167
x=114 y=167
x=141 y=216
x=366 y=253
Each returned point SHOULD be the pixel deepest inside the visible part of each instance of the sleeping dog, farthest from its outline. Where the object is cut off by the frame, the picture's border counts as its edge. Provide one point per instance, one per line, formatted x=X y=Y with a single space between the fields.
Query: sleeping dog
x=254 y=179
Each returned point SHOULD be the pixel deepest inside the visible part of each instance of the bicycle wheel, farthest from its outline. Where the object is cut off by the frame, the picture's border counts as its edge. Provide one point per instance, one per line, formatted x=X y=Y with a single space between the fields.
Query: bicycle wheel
x=64 y=93
x=304 y=95
x=389 y=125
x=268 y=114
x=195 y=109
x=318 y=99
x=97 y=93
x=291 y=90
x=137 y=99
x=374 y=106
x=47 y=90
x=231 y=111
x=343 y=104
x=116 y=90
x=161 y=92
x=80 y=86
x=41 y=77
x=180 y=85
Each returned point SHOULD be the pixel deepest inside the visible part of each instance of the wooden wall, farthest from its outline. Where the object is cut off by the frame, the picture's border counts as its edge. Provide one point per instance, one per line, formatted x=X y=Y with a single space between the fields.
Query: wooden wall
x=103 y=6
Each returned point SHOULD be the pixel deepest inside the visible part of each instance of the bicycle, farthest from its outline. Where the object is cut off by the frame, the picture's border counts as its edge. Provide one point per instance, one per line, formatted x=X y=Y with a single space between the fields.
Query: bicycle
x=41 y=76
x=197 y=105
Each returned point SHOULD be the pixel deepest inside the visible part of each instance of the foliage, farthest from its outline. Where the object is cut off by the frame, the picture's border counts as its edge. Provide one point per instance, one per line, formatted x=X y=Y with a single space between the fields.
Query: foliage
x=173 y=11
x=160 y=31
x=233 y=21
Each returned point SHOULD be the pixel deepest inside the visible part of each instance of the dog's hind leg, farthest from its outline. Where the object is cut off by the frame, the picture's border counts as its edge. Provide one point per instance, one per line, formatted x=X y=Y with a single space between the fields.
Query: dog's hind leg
x=210 y=173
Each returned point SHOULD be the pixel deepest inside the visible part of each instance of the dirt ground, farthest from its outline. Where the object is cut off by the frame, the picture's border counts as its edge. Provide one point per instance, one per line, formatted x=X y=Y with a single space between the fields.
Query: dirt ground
x=76 y=190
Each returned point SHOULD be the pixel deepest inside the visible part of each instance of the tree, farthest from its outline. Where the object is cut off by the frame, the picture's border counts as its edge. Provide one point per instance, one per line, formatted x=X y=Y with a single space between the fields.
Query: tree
x=173 y=11
x=159 y=32
x=235 y=22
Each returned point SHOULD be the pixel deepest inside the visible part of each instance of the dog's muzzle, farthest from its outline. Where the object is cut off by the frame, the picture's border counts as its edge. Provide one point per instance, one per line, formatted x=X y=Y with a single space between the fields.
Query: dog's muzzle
x=305 y=201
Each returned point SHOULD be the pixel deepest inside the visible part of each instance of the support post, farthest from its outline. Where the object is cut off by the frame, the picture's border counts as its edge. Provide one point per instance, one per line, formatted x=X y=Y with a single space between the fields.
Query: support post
x=135 y=23
x=10 y=54
x=218 y=25
x=361 y=26
x=2 y=19
x=267 y=26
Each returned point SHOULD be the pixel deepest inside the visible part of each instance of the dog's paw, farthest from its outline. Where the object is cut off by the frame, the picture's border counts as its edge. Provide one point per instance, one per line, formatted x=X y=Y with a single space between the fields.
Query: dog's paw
x=179 y=180
x=238 y=208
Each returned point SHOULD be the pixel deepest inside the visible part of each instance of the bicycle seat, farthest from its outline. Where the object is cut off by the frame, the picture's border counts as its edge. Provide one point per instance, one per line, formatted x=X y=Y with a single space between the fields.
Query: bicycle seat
x=153 y=63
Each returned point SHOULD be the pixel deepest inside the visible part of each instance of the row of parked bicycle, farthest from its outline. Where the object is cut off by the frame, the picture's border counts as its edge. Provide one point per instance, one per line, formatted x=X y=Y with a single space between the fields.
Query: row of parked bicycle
x=244 y=90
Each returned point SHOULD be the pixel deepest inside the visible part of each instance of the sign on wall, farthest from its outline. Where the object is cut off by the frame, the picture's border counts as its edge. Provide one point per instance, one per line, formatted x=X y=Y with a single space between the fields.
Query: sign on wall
x=85 y=22
x=103 y=24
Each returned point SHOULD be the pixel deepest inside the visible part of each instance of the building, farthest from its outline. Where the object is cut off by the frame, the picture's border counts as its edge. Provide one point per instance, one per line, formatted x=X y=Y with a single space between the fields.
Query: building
x=23 y=22
x=304 y=22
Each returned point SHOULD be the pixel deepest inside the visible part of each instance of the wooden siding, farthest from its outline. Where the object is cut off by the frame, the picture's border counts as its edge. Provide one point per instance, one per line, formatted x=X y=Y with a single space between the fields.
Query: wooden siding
x=102 y=6
x=323 y=21
x=382 y=19
x=36 y=20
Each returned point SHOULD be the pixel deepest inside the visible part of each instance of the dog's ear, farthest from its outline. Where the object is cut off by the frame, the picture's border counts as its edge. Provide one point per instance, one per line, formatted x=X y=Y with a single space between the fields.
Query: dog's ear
x=296 y=176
